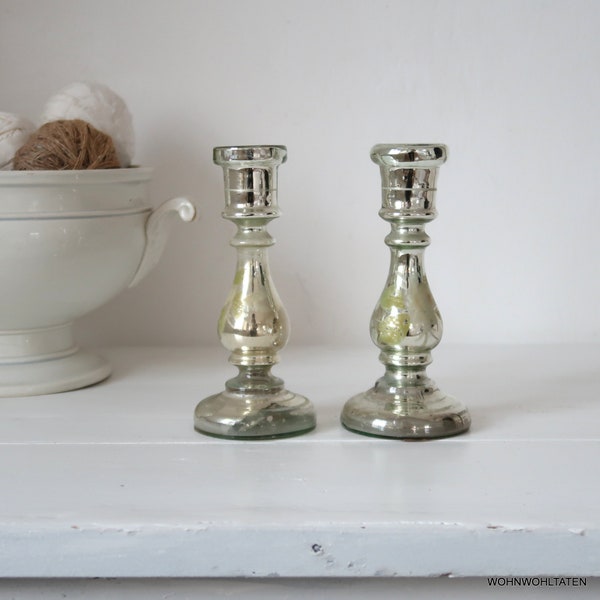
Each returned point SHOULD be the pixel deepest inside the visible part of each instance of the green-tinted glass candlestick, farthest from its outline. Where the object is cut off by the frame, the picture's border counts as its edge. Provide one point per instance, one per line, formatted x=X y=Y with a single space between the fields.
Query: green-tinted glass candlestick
x=406 y=324
x=253 y=324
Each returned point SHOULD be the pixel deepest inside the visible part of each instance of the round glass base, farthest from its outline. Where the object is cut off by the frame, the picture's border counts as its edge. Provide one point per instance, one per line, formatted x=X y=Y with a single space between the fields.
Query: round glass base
x=254 y=416
x=405 y=413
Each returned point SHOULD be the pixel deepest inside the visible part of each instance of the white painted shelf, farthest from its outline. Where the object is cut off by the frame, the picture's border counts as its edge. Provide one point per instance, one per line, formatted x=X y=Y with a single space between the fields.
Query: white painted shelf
x=112 y=480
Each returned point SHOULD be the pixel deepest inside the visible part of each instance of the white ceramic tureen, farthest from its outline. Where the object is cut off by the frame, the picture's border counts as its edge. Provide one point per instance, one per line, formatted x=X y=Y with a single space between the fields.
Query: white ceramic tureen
x=69 y=242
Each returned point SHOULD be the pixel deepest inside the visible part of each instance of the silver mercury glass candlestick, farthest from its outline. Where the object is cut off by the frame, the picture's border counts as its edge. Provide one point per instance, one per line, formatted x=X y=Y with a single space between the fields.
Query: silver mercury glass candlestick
x=406 y=324
x=253 y=324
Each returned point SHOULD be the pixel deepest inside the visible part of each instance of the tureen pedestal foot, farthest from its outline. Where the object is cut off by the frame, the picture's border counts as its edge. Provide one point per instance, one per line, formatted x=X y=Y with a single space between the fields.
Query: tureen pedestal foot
x=46 y=361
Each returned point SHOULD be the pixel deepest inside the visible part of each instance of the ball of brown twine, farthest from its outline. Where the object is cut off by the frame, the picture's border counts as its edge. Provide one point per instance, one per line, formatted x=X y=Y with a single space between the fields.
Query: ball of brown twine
x=66 y=144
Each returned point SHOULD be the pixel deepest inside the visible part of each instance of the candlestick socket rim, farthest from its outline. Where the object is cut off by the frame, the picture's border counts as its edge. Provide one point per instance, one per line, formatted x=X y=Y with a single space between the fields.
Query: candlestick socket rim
x=405 y=155
x=261 y=154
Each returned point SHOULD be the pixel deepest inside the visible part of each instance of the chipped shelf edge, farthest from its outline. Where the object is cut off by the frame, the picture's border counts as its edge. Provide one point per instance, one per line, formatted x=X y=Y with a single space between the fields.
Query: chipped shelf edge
x=410 y=550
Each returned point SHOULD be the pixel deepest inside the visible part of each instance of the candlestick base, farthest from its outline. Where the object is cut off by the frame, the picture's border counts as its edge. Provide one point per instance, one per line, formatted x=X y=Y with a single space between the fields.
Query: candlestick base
x=405 y=413
x=234 y=415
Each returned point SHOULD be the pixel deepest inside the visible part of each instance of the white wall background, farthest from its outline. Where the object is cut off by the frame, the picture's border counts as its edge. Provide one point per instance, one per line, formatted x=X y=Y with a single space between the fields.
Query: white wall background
x=513 y=88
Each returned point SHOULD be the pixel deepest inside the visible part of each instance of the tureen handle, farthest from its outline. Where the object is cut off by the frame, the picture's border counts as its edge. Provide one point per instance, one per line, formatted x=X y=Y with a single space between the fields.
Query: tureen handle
x=157 y=231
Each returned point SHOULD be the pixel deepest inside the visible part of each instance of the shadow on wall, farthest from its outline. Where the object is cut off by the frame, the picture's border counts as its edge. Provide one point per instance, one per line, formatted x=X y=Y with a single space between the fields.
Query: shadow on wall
x=179 y=301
